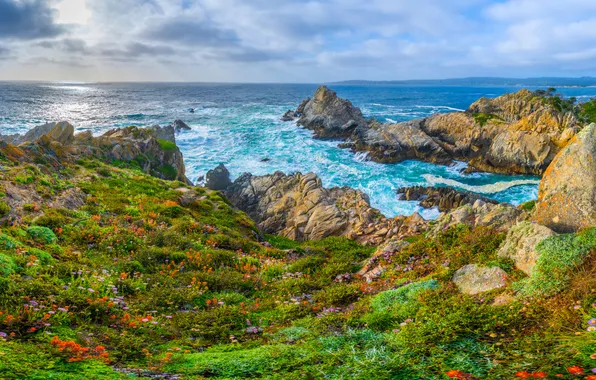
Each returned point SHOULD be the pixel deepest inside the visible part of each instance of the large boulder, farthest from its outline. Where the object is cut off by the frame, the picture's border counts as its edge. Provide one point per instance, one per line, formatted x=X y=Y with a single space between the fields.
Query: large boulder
x=218 y=178
x=473 y=279
x=520 y=244
x=567 y=193
x=329 y=115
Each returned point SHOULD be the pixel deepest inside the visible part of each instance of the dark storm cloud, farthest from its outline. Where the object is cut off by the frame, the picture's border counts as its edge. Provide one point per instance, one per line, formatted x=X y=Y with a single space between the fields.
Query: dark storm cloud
x=27 y=20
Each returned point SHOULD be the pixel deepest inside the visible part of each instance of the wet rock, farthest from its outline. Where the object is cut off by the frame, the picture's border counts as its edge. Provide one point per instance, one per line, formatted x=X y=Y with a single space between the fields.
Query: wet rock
x=288 y=116
x=520 y=244
x=473 y=279
x=567 y=192
x=179 y=126
x=445 y=198
x=330 y=116
x=218 y=178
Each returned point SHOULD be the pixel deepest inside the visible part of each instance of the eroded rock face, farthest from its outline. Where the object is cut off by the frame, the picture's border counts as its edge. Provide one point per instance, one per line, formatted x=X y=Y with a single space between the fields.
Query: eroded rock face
x=515 y=133
x=567 y=193
x=330 y=116
x=520 y=244
x=445 y=198
x=299 y=207
x=474 y=279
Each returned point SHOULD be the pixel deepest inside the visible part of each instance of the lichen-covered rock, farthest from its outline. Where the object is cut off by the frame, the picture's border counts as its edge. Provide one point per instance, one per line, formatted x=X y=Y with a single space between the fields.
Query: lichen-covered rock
x=299 y=207
x=567 y=193
x=501 y=217
x=61 y=132
x=329 y=115
x=445 y=198
x=473 y=279
x=520 y=244
x=218 y=178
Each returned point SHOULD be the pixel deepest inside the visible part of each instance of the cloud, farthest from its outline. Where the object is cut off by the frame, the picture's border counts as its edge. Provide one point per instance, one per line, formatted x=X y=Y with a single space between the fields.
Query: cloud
x=67 y=45
x=27 y=20
x=318 y=40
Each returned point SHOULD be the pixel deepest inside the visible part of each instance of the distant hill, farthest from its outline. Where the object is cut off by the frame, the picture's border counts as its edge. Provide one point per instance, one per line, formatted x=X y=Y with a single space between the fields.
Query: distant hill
x=482 y=81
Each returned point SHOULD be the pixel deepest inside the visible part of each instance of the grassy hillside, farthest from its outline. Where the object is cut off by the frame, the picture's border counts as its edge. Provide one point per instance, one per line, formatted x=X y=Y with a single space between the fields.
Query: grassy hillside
x=149 y=277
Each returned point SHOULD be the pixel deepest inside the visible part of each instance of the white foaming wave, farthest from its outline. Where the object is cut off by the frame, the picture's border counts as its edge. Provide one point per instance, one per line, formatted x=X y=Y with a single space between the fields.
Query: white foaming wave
x=361 y=156
x=391 y=120
x=482 y=189
x=441 y=107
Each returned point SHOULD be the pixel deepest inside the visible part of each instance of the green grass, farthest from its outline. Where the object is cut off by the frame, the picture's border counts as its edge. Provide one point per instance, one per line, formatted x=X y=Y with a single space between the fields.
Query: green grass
x=167 y=146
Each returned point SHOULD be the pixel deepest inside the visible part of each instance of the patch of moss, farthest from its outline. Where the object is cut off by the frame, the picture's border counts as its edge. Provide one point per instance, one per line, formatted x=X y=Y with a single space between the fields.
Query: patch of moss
x=42 y=234
x=167 y=146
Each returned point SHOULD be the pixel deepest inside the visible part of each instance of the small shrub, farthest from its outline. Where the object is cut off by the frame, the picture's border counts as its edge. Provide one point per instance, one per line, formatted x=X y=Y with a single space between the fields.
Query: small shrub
x=7 y=265
x=42 y=234
x=558 y=256
x=4 y=209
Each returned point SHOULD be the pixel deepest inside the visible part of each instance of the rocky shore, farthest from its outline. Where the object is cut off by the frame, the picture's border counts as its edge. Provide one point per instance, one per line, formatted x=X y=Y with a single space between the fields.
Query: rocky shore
x=517 y=133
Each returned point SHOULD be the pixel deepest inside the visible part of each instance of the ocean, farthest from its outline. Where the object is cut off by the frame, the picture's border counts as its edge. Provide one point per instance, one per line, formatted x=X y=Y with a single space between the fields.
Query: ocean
x=238 y=125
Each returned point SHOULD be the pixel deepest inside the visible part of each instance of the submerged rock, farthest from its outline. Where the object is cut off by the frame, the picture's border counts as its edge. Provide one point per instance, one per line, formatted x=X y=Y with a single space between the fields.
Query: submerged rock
x=567 y=193
x=445 y=198
x=329 y=115
x=520 y=244
x=473 y=279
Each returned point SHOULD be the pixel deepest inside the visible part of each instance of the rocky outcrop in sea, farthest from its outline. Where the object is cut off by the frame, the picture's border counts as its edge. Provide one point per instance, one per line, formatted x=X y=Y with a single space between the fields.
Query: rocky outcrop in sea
x=518 y=133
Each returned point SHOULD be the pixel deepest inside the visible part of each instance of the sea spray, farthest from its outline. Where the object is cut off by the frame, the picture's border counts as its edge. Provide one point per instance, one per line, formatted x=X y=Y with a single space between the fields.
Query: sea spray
x=482 y=189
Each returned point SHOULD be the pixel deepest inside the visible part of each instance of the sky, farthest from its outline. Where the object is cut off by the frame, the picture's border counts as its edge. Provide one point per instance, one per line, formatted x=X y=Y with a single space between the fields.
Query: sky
x=294 y=40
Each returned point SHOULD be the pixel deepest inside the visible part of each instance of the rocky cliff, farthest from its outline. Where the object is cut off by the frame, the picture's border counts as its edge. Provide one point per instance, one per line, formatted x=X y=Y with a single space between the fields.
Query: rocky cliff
x=517 y=133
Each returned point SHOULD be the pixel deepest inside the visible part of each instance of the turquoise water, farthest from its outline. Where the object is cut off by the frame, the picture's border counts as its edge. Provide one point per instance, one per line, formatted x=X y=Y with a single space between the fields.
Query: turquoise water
x=238 y=125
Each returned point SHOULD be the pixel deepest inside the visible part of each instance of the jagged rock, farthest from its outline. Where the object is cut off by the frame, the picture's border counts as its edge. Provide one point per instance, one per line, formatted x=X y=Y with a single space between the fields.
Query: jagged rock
x=179 y=126
x=330 y=116
x=61 y=132
x=164 y=133
x=288 y=116
x=218 y=178
x=301 y=107
x=567 y=192
x=520 y=244
x=445 y=198
x=299 y=207
x=473 y=279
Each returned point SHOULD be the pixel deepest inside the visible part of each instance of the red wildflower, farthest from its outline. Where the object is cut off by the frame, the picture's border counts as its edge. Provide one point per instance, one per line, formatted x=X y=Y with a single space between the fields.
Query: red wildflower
x=540 y=375
x=576 y=370
x=523 y=374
